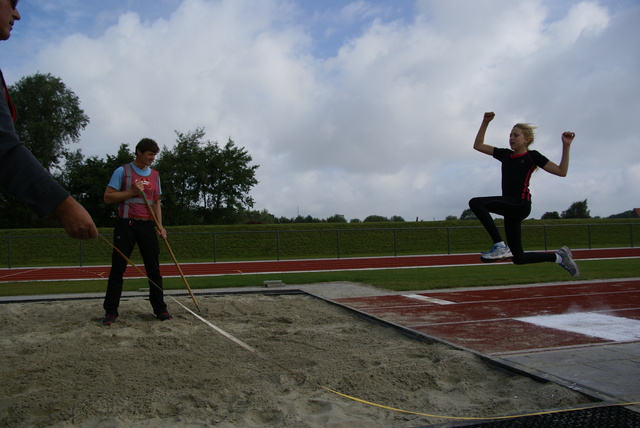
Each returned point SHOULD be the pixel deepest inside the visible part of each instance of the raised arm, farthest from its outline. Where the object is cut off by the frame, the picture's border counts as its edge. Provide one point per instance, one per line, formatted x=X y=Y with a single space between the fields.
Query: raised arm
x=479 y=144
x=562 y=169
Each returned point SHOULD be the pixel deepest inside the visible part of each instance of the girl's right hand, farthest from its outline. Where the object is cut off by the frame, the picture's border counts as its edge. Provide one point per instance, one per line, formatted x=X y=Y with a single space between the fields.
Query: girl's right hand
x=488 y=116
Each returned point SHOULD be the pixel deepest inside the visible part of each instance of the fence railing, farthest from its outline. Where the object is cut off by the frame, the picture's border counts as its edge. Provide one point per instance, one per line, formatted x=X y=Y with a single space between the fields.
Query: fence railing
x=219 y=246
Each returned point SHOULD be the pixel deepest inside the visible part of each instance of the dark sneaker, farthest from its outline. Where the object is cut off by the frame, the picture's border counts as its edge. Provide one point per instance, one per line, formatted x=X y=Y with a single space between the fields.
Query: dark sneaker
x=496 y=253
x=109 y=319
x=567 y=262
x=164 y=316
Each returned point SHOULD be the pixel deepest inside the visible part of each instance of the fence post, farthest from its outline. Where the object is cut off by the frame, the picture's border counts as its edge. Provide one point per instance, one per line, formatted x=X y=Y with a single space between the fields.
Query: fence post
x=338 y=241
x=395 y=242
x=80 y=252
x=589 y=235
x=277 y=245
x=449 y=240
x=631 y=234
x=544 y=228
x=9 y=253
x=215 y=247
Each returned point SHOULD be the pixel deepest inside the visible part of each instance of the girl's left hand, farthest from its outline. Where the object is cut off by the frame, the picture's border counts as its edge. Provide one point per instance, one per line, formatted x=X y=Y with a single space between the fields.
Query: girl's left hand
x=567 y=137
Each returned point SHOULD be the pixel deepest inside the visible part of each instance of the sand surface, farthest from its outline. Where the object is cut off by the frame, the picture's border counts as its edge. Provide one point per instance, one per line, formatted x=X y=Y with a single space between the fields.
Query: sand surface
x=62 y=368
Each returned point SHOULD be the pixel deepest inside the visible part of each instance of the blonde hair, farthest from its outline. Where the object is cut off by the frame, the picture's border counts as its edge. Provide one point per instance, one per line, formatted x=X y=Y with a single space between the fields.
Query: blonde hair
x=528 y=130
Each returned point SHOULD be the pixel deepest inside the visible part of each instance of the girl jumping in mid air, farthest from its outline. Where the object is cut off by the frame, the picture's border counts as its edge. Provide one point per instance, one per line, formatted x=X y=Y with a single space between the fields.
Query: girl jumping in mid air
x=518 y=164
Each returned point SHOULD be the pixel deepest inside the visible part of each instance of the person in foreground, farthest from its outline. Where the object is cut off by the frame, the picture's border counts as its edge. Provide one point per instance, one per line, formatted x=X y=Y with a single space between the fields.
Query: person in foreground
x=518 y=164
x=135 y=224
x=21 y=174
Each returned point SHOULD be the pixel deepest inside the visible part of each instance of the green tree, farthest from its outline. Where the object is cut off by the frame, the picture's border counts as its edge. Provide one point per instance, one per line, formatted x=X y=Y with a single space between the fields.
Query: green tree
x=375 y=218
x=468 y=215
x=14 y=214
x=626 y=214
x=577 y=210
x=124 y=156
x=228 y=179
x=203 y=183
x=307 y=219
x=284 y=220
x=181 y=179
x=336 y=218
x=258 y=217
x=551 y=215
x=86 y=180
x=49 y=117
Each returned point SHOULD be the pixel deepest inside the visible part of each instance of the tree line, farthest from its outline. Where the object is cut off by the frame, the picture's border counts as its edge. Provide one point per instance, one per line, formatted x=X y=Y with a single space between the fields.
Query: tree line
x=577 y=209
x=202 y=181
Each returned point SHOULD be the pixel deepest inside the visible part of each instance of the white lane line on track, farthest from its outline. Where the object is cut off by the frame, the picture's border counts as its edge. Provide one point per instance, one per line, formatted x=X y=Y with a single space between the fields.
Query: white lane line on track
x=429 y=299
x=19 y=272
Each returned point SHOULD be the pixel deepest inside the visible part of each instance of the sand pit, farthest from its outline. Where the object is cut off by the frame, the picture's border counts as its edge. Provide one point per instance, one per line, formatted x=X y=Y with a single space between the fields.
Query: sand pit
x=62 y=368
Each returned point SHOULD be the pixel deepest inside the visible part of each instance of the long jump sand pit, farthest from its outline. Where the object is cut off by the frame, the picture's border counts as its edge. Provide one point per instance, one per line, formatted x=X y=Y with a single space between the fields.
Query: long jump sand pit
x=62 y=368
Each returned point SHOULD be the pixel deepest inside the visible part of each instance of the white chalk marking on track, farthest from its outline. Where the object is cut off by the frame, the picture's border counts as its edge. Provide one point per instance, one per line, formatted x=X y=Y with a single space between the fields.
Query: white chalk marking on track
x=8 y=275
x=429 y=299
x=617 y=329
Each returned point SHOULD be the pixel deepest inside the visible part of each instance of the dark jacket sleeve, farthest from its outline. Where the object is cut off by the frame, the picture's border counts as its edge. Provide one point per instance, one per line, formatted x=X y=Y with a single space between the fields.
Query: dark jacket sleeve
x=21 y=174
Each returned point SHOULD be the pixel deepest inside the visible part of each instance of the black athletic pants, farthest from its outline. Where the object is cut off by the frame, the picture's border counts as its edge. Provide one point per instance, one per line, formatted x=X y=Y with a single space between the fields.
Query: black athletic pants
x=126 y=234
x=513 y=210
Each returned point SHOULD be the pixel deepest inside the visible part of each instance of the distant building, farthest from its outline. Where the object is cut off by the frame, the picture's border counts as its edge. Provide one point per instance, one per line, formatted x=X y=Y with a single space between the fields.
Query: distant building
x=636 y=212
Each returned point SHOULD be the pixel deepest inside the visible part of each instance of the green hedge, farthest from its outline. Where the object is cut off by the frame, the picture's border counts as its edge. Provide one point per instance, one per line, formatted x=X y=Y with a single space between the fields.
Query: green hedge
x=50 y=247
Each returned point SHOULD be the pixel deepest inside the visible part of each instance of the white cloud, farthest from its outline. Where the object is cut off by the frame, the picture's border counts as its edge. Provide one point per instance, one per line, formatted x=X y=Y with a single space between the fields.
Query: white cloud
x=385 y=126
x=585 y=19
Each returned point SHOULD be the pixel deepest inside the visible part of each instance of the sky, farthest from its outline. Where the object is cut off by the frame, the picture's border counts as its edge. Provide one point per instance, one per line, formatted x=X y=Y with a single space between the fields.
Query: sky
x=358 y=108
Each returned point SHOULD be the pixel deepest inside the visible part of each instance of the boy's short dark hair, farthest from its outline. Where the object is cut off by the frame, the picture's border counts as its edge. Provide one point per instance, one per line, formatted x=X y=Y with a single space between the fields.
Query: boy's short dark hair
x=147 y=145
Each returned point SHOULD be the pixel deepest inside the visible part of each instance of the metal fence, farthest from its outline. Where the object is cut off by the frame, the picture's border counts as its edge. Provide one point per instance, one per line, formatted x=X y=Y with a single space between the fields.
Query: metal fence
x=276 y=244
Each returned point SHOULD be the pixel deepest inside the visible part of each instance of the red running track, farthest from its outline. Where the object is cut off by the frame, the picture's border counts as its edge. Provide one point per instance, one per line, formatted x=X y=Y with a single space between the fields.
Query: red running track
x=492 y=321
x=317 y=265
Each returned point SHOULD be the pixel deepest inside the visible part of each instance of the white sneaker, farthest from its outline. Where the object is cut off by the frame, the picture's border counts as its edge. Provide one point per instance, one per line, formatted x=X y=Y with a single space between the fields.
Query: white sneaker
x=497 y=253
x=567 y=262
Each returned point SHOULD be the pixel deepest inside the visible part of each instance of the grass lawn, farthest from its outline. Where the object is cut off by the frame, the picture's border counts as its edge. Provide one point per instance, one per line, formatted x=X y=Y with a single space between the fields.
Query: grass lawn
x=392 y=279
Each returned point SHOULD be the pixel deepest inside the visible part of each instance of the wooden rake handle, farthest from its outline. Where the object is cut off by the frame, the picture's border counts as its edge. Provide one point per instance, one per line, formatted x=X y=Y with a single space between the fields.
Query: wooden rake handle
x=175 y=261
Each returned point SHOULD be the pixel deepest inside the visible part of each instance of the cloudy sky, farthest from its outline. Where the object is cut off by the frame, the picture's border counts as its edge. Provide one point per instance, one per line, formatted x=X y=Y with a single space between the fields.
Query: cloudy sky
x=357 y=107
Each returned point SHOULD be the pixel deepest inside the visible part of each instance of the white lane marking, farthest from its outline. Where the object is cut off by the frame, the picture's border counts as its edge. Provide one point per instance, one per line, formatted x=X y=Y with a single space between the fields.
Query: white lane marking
x=617 y=329
x=429 y=299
